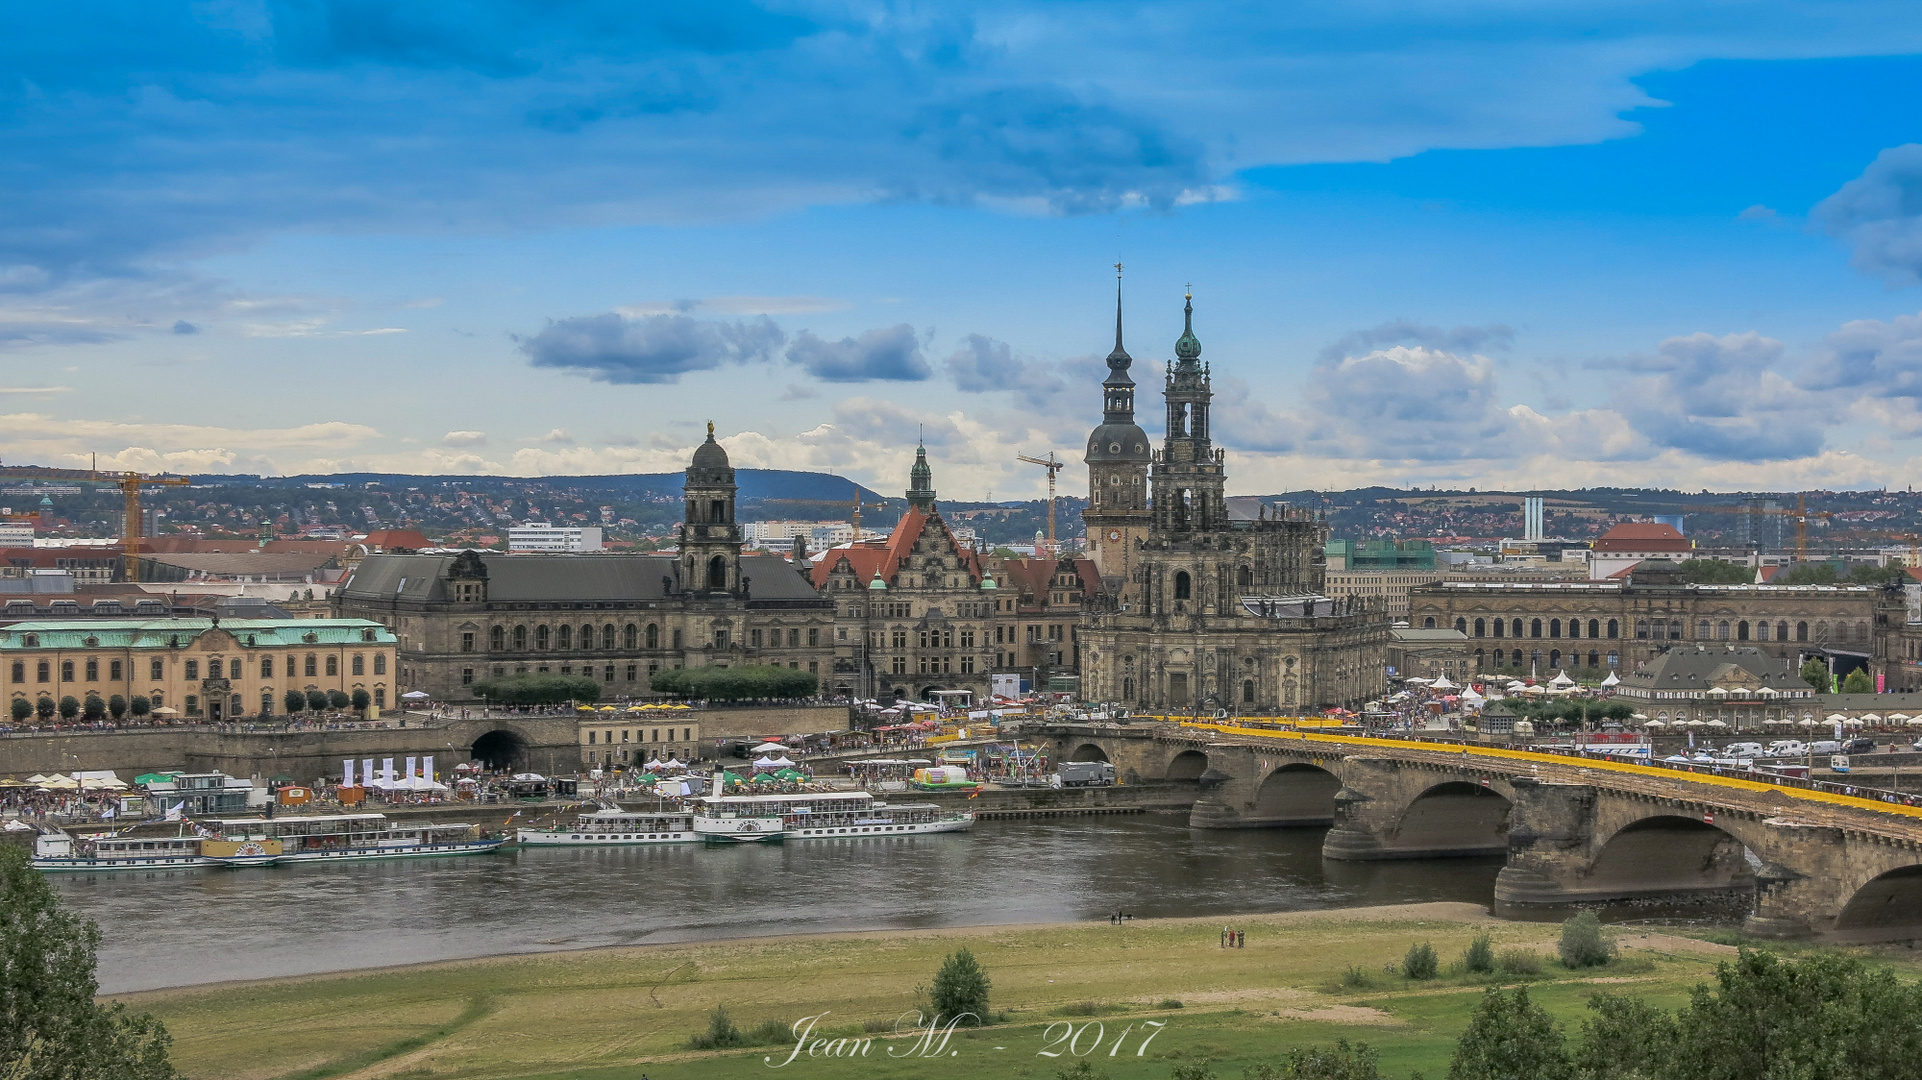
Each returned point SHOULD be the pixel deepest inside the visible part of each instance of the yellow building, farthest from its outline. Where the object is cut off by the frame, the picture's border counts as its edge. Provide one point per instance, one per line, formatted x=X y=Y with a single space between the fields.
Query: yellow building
x=200 y=668
x=636 y=738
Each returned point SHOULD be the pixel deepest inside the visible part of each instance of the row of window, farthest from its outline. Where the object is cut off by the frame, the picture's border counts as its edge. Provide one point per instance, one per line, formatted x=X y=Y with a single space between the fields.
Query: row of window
x=687 y=735
x=1663 y=629
x=190 y=669
x=190 y=703
x=1553 y=659
x=564 y=637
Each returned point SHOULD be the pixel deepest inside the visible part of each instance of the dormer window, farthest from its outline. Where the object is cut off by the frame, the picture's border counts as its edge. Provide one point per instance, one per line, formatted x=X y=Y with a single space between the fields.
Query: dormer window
x=310 y=638
x=367 y=635
x=32 y=641
x=92 y=642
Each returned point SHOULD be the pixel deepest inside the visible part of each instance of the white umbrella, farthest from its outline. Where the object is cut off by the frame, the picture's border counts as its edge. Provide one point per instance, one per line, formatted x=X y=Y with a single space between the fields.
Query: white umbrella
x=417 y=695
x=1836 y=717
x=1852 y=723
x=1768 y=692
x=1716 y=724
x=529 y=776
x=1870 y=718
x=1915 y=721
x=1805 y=722
x=1716 y=691
x=769 y=748
x=1653 y=723
x=1896 y=717
x=1611 y=680
x=1638 y=716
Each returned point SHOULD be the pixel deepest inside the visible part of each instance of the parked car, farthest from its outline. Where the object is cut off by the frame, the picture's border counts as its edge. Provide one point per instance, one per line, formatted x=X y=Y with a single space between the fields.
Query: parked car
x=1858 y=745
x=1787 y=748
x=1743 y=749
x=1825 y=746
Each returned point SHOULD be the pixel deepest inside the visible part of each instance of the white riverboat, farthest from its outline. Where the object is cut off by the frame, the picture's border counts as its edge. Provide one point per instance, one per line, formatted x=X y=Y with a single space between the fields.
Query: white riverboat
x=339 y=838
x=819 y=815
x=59 y=850
x=612 y=826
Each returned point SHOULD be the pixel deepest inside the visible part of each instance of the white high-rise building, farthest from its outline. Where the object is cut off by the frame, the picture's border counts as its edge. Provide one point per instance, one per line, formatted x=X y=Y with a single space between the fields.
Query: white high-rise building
x=540 y=536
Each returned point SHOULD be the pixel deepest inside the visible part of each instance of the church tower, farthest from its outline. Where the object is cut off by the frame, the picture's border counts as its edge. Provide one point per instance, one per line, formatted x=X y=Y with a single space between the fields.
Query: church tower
x=1118 y=457
x=710 y=538
x=1188 y=479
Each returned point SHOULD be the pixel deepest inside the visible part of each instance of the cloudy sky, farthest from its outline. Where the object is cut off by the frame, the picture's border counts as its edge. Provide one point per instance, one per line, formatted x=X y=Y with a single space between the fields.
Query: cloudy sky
x=1488 y=242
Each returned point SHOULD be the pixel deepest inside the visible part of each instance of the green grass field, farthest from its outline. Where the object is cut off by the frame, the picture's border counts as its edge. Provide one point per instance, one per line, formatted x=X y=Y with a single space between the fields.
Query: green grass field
x=617 y=1014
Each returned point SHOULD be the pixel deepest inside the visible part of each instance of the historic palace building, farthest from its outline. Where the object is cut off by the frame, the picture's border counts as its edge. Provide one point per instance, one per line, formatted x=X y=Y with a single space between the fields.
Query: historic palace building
x=1209 y=612
x=464 y=618
x=1592 y=627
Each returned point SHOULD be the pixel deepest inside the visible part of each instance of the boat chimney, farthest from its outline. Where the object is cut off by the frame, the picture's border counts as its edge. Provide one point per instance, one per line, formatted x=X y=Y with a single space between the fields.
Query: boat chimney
x=717 y=784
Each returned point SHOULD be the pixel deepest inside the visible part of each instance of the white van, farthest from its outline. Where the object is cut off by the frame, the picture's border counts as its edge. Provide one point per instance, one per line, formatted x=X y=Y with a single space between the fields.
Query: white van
x=1825 y=746
x=1742 y=749
x=1787 y=748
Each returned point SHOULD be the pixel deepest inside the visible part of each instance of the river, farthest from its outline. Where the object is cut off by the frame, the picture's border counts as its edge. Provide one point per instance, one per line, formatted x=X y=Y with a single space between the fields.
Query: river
x=198 y=926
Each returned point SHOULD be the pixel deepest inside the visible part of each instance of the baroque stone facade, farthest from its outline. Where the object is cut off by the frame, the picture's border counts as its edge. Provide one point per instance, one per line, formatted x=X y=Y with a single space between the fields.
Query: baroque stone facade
x=462 y=619
x=1215 y=612
x=1592 y=627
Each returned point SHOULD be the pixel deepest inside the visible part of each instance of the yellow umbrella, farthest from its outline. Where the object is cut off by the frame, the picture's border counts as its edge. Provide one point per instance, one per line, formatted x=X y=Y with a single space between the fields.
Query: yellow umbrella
x=607 y=708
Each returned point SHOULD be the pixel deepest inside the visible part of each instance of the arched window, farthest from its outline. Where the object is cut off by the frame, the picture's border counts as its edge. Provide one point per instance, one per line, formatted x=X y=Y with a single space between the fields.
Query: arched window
x=541 y=636
x=1534 y=628
x=564 y=637
x=1762 y=630
x=1574 y=628
x=1641 y=628
x=1675 y=630
x=1614 y=659
x=1741 y=630
x=1702 y=630
x=1555 y=658
x=1515 y=628
x=266 y=703
x=1518 y=658
x=312 y=666
x=19 y=671
x=607 y=636
x=1481 y=659
x=45 y=671
x=1861 y=631
x=717 y=573
x=1721 y=630
x=1821 y=630
x=1481 y=628
x=359 y=664
x=66 y=670
x=93 y=669
x=1801 y=631
x=1461 y=626
x=497 y=638
x=1183 y=585
x=1614 y=631
x=1594 y=658
x=380 y=663
x=520 y=638
x=1501 y=627
x=1554 y=628
x=630 y=636
x=1248 y=691
x=1782 y=630
x=653 y=636
x=266 y=667
x=1594 y=628
x=1428 y=623
x=333 y=665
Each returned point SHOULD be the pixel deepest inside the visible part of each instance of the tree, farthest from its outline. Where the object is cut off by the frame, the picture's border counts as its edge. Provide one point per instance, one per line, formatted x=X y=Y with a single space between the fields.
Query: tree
x=93 y=708
x=538 y=689
x=736 y=683
x=1715 y=572
x=1342 y=1062
x=960 y=991
x=117 y=706
x=43 y=707
x=1480 y=957
x=294 y=701
x=1628 y=1039
x=1584 y=944
x=338 y=699
x=1815 y=672
x=361 y=701
x=69 y=707
x=1510 y=1037
x=22 y=708
x=1857 y=682
x=316 y=700
x=51 y=1028
x=140 y=705
x=1806 y=574
x=1420 y=962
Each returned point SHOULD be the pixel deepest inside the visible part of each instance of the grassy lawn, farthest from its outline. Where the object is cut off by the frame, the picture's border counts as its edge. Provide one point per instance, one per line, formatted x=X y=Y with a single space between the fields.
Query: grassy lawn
x=618 y=1013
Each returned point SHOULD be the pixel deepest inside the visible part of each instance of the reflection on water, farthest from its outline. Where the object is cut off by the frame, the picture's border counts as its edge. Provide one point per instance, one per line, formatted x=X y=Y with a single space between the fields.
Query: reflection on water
x=197 y=926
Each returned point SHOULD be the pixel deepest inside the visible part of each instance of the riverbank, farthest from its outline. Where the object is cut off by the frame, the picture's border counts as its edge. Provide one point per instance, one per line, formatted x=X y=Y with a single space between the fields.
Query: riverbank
x=614 y=1013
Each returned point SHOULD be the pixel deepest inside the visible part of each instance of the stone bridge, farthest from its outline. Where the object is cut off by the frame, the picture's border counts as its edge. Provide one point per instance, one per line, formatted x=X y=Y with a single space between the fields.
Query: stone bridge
x=542 y=743
x=1571 y=832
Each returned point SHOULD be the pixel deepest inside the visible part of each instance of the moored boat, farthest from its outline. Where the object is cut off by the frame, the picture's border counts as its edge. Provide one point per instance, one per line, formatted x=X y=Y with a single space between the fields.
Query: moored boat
x=59 y=850
x=611 y=826
x=341 y=837
x=814 y=815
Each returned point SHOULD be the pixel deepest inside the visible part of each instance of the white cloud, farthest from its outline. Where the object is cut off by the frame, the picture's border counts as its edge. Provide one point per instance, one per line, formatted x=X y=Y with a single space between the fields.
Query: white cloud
x=464 y=438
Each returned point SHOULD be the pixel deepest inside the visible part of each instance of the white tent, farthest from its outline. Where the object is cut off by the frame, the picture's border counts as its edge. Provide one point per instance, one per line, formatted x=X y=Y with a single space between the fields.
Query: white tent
x=672 y=765
x=1443 y=684
x=1611 y=680
x=1469 y=697
x=653 y=765
x=416 y=695
x=769 y=748
x=782 y=762
x=1561 y=679
x=16 y=825
x=528 y=776
x=765 y=762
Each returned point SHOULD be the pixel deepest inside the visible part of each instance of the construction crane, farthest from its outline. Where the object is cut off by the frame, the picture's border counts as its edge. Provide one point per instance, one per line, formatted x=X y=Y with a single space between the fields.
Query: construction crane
x=1053 y=465
x=129 y=484
x=1801 y=514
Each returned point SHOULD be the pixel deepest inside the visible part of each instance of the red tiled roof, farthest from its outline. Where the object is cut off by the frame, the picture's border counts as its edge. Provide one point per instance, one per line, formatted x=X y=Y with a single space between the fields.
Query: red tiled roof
x=868 y=557
x=1642 y=536
x=389 y=539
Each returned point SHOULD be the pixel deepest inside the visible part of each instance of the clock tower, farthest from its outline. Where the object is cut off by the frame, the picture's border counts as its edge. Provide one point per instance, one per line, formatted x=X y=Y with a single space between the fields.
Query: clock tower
x=1118 y=459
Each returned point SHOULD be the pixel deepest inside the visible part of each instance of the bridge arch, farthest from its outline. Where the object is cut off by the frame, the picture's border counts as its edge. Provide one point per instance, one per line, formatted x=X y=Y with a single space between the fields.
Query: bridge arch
x=1455 y=817
x=1187 y=765
x=1670 y=853
x=1887 y=901
x=1297 y=794
x=1087 y=752
x=500 y=748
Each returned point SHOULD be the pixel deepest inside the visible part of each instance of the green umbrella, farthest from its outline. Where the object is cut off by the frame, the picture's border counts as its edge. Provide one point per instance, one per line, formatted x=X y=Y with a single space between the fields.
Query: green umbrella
x=791 y=774
x=153 y=778
x=647 y=778
x=730 y=778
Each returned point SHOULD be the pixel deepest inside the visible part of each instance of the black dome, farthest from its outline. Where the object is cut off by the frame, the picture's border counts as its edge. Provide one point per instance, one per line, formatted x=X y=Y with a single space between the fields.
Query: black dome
x=710 y=455
x=1118 y=442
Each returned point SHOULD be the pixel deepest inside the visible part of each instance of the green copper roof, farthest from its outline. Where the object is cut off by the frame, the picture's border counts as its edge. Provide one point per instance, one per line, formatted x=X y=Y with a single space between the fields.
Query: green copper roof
x=1187 y=346
x=161 y=633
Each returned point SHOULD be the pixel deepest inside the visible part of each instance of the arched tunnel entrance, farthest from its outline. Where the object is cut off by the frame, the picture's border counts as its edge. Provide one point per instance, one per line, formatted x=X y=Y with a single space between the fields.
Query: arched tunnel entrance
x=1296 y=794
x=1454 y=819
x=500 y=749
x=1891 y=902
x=1668 y=854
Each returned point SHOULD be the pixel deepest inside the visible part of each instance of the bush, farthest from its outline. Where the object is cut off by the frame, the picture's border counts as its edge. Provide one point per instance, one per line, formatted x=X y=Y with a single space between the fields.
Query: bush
x=338 y=699
x=93 y=708
x=117 y=706
x=1510 y=1038
x=1519 y=962
x=1584 y=943
x=770 y=1033
x=1341 y=1062
x=1083 y=1008
x=140 y=705
x=538 y=690
x=960 y=991
x=1421 y=962
x=1196 y=1071
x=1171 y=1003
x=1084 y=1070
x=721 y=1034
x=1356 y=976
x=1857 y=682
x=735 y=683
x=22 y=708
x=294 y=701
x=69 y=707
x=316 y=700
x=1480 y=957
x=43 y=708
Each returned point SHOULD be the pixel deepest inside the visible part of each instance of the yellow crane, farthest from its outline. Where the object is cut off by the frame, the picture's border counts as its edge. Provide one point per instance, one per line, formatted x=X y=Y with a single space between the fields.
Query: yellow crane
x=1053 y=465
x=129 y=484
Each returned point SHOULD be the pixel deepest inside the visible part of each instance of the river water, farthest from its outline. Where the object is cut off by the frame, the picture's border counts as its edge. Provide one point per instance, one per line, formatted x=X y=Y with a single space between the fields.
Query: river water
x=199 y=926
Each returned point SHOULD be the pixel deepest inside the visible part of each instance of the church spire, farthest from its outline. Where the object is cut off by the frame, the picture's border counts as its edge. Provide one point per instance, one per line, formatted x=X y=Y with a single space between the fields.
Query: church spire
x=1119 y=359
x=1188 y=347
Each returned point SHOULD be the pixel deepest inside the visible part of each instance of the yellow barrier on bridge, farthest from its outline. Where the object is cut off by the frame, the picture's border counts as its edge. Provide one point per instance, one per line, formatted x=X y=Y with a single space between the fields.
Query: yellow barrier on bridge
x=1557 y=759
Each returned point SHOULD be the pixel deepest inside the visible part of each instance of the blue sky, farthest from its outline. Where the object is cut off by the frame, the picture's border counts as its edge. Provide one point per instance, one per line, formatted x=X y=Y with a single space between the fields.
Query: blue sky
x=1499 y=243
